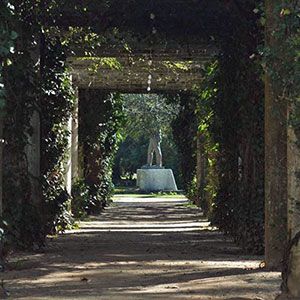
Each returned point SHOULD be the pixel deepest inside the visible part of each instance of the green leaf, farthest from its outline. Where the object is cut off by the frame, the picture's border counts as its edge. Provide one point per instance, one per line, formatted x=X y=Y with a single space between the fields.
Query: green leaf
x=262 y=21
x=13 y=35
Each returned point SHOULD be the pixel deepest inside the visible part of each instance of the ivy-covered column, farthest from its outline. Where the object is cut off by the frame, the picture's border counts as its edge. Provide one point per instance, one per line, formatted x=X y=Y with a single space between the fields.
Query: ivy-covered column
x=33 y=152
x=275 y=154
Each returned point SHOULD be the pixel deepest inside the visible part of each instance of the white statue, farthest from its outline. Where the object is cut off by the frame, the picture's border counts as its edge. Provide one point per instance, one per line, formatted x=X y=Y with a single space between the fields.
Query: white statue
x=154 y=146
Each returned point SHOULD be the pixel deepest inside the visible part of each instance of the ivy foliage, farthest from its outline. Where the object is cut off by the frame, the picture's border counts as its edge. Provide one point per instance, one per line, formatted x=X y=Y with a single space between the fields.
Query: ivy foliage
x=36 y=83
x=56 y=107
x=101 y=116
x=7 y=37
x=184 y=128
x=21 y=80
x=282 y=64
x=226 y=117
x=225 y=114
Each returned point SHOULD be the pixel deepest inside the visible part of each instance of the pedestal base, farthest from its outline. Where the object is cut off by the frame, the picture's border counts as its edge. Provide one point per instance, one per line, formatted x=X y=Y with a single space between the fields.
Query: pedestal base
x=156 y=180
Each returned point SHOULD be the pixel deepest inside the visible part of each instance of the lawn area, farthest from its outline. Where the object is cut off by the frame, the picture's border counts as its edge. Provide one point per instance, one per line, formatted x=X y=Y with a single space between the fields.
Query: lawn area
x=133 y=192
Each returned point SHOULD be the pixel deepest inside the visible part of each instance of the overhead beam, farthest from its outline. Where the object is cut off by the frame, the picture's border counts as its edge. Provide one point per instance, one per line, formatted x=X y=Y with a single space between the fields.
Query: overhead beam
x=171 y=52
x=133 y=76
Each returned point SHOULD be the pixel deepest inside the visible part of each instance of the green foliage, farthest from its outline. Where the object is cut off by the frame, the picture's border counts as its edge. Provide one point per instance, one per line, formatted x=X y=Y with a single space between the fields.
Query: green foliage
x=281 y=59
x=148 y=114
x=84 y=201
x=226 y=117
x=131 y=155
x=21 y=80
x=185 y=130
x=237 y=129
x=40 y=86
x=7 y=37
x=101 y=117
x=225 y=114
x=56 y=105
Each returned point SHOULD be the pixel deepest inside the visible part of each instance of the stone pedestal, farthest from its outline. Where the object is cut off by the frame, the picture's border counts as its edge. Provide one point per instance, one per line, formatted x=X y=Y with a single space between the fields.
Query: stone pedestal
x=156 y=180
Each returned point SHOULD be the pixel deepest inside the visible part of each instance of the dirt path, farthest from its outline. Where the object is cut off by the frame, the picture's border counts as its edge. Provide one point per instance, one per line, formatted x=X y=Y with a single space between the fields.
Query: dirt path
x=142 y=248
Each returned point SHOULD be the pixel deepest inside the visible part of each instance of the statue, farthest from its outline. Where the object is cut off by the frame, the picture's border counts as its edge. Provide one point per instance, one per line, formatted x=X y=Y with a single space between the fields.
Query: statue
x=150 y=116
x=154 y=146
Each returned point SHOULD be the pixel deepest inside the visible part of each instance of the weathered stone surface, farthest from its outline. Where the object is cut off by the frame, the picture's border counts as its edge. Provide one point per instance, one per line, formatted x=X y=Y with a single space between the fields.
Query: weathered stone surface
x=33 y=154
x=132 y=76
x=75 y=146
x=293 y=213
x=68 y=165
x=156 y=180
x=275 y=154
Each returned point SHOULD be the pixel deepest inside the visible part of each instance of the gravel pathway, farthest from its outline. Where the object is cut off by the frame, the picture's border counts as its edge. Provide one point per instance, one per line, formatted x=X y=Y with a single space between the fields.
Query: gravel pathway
x=141 y=248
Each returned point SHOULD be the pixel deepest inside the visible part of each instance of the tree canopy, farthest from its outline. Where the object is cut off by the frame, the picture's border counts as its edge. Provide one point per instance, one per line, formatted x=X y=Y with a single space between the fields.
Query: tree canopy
x=147 y=114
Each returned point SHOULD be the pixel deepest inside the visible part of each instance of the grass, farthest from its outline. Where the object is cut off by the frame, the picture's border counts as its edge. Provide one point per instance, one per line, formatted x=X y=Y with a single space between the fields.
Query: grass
x=148 y=196
x=125 y=191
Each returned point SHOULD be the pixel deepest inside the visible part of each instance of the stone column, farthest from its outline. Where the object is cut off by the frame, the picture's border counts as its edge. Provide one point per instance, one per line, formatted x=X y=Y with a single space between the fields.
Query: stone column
x=275 y=157
x=199 y=168
x=1 y=160
x=74 y=148
x=68 y=169
x=81 y=161
x=33 y=152
x=292 y=275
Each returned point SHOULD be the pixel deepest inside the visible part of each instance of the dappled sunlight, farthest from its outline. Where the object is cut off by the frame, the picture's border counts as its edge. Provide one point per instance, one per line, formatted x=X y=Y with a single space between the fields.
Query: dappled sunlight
x=143 y=251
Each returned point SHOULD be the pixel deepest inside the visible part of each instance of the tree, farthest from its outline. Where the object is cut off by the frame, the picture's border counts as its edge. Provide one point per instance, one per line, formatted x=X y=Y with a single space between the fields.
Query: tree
x=146 y=115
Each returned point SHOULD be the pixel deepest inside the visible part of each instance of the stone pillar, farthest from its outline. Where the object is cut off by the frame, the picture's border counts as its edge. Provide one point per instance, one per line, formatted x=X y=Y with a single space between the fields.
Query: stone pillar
x=1 y=160
x=68 y=169
x=293 y=272
x=275 y=157
x=33 y=152
x=75 y=148
x=199 y=169
x=81 y=161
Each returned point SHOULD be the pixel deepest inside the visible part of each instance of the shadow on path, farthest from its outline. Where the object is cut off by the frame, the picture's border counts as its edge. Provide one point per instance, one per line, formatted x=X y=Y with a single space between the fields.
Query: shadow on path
x=142 y=249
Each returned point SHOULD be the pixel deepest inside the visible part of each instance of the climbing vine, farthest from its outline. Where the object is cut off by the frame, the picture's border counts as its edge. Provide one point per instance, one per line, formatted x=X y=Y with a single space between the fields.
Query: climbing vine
x=100 y=118
x=222 y=120
x=284 y=46
x=7 y=37
x=228 y=118
x=56 y=112
x=184 y=129
x=21 y=80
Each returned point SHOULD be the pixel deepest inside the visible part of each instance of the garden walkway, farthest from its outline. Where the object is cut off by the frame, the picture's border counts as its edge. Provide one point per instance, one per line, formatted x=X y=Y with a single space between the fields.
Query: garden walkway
x=141 y=248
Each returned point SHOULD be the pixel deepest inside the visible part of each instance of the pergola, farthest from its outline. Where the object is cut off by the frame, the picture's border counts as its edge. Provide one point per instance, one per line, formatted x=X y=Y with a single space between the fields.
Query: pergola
x=163 y=59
